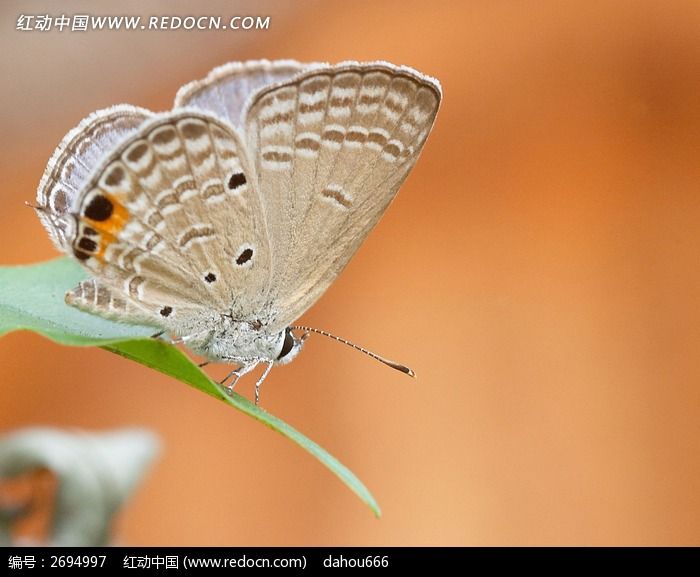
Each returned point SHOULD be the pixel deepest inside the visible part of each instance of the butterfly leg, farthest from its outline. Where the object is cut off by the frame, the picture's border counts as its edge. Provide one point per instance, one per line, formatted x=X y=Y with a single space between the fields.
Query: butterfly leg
x=247 y=365
x=260 y=381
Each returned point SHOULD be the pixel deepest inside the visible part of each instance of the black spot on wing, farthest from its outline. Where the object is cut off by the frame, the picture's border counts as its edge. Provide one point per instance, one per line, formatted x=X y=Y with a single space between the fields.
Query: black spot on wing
x=237 y=180
x=100 y=208
x=244 y=257
x=80 y=255
x=87 y=244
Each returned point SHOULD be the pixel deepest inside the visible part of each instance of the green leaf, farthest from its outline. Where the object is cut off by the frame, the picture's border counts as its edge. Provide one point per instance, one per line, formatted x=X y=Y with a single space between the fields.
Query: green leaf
x=31 y=298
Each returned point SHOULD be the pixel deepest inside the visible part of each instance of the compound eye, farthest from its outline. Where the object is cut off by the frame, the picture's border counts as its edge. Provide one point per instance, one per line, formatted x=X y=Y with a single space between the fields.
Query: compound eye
x=288 y=344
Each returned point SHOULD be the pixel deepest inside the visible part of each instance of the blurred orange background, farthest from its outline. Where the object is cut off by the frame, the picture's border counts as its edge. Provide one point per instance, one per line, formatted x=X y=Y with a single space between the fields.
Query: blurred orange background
x=539 y=270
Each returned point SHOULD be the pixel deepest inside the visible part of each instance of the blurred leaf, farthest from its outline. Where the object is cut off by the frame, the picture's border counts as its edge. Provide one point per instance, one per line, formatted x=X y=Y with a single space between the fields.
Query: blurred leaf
x=96 y=474
x=9 y=512
x=31 y=298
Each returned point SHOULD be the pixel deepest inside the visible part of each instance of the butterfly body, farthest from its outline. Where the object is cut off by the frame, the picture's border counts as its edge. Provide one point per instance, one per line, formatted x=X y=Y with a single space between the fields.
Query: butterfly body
x=222 y=221
x=227 y=340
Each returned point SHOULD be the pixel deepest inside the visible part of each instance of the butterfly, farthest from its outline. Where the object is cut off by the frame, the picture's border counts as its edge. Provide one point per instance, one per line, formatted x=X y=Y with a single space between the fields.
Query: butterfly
x=223 y=220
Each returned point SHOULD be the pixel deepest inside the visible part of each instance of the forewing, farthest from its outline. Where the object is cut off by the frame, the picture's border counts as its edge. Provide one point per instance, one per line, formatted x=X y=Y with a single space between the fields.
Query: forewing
x=172 y=221
x=226 y=89
x=332 y=148
x=78 y=154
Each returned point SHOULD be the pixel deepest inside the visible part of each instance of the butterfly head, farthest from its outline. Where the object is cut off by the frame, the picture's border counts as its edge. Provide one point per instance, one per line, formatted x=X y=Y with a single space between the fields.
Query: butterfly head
x=291 y=345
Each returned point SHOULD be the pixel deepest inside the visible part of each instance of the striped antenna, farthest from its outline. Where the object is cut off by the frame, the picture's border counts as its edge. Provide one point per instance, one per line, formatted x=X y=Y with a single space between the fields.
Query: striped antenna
x=392 y=364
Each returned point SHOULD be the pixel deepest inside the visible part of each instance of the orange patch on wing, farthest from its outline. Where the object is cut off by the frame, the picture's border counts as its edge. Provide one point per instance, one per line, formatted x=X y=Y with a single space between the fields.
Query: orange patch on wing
x=106 y=239
x=109 y=228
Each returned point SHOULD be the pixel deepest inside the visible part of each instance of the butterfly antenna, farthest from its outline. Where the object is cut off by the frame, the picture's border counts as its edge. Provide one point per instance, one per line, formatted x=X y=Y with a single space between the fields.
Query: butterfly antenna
x=392 y=364
x=34 y=206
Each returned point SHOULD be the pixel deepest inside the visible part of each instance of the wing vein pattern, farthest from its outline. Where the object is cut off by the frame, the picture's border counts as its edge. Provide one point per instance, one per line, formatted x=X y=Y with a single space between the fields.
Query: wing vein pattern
x=331 y=148
x=247 y=199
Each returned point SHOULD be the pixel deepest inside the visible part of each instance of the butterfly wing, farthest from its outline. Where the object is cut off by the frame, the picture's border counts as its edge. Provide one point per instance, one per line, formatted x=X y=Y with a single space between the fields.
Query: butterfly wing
x=171 y=223
x=93 y=296
x=332 y=146
x=73 y=160
x=226 y=89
